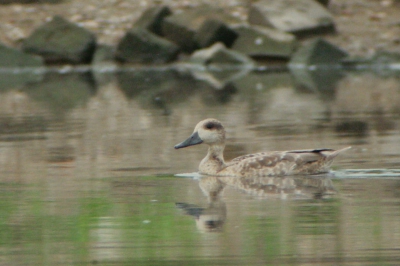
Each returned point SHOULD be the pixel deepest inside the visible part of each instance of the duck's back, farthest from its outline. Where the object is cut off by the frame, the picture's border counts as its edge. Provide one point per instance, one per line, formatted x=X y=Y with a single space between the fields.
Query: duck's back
x=281 y=163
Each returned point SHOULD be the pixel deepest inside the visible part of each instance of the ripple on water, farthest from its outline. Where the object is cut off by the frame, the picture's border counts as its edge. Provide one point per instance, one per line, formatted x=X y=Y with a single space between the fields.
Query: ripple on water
x=369 y=173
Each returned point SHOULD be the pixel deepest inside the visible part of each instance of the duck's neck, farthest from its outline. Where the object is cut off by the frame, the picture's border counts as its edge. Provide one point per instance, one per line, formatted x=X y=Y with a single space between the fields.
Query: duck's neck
x=214 y=161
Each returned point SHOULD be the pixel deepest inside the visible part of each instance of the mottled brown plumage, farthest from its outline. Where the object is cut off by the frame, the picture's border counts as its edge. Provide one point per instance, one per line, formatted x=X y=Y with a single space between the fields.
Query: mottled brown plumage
x=276 y=163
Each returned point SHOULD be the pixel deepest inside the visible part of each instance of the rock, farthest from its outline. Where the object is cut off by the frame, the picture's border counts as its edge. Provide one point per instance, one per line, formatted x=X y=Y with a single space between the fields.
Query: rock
x=212 y=31
x=12 y=58
x=296 y=16
x=257 y=41
x=103 y=64
x=142 y=46
x=19 y=68
x=60 y=41
x=181 y=28
x=325 y=72
x=219 y=80
x=222 y=65
x=383 y=63
x=218 y=55
x=318 y=52
x=385 y=58
x=152 y=19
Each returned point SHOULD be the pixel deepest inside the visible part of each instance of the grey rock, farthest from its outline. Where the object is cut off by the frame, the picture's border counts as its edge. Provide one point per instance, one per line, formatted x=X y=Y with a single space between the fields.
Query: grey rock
x=295 y=16
x=257 y=41
x=218 y=55
x=181 y=28
x=12 y=58
x=18 y=68
x=317 y=52
x=103 y=64
x=60 y=41
x=383 y=63
x=212 y=31
x=142 y=46
x=222 y=65
x=152 y=19
x=382 y=57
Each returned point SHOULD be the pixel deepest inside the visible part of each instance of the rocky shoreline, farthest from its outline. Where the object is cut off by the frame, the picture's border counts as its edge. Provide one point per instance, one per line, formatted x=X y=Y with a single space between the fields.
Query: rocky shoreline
x=166 y=33
x=363 y=26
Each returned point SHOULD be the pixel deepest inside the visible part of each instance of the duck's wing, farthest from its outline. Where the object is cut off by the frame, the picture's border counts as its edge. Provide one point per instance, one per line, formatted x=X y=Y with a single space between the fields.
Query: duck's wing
x=275 y=156
x=283 y=162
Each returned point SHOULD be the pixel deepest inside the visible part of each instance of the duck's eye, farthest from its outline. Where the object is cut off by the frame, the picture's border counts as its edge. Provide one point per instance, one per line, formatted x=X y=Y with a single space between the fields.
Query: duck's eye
x=210 y=125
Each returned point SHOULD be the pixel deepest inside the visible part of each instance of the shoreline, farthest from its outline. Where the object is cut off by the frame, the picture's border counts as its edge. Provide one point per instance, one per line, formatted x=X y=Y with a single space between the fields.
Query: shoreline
x=363 y=27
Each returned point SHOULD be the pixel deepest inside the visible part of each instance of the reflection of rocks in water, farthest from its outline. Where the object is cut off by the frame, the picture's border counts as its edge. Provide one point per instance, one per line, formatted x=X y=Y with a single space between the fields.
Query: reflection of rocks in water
x=157 y=88
x=211 y=218
x=213 y=97
x=284 y=187
x=254 y=82
x=22 y=128
x=61 y=154
x=162 y=99
x=352 y=128
x=171 y=91
x=367 y=93
x=316 y=67
x=270 y=111
x=382 y=124
x=322 y=80
x=62 y=92
x=373 y=98
x=256 y=88
x=134 y=82
x=219 y=79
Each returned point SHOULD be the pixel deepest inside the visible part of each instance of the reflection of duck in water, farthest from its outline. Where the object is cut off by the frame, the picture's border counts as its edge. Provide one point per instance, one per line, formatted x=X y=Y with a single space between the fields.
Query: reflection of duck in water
x=299 y=187
x=275 y=163
x=212 y=218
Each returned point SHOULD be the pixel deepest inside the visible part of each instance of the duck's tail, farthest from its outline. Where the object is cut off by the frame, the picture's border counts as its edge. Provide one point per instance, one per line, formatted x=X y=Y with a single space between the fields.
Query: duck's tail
x=332 y=154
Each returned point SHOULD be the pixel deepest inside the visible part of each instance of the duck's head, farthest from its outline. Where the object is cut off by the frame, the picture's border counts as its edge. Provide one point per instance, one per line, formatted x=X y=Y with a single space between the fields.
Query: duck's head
x=209 y=131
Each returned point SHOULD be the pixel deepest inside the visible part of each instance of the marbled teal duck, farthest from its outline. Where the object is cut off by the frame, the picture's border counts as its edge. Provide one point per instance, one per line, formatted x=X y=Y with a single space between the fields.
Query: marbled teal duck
x=275 y=163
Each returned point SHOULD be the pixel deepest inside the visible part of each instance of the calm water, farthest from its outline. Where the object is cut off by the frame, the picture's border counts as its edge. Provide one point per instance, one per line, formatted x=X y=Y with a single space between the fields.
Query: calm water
x=88 y=170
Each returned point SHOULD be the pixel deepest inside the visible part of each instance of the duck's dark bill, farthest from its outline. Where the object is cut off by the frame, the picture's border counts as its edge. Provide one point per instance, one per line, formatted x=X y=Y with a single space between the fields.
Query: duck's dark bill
x=194 y=139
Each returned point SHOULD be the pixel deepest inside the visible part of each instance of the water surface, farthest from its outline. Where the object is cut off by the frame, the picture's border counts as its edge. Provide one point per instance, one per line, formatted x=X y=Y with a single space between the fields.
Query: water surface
x=88 y=170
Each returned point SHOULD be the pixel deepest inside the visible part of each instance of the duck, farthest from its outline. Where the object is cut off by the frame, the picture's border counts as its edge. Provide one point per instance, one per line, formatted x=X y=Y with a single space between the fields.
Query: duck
x=274 y=163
